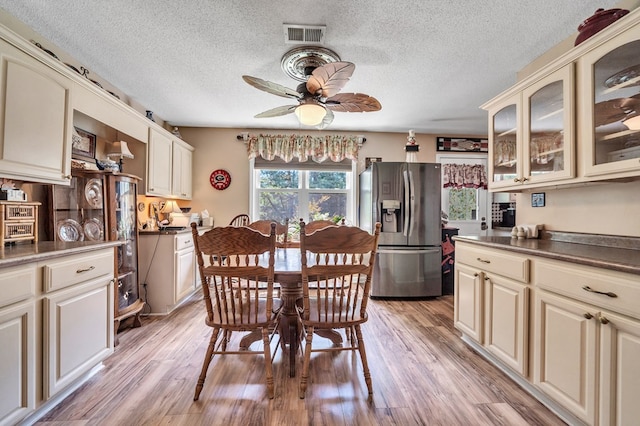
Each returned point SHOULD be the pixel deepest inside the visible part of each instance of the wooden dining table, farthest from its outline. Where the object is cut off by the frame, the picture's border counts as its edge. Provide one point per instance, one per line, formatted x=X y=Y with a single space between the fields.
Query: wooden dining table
x=288 y=273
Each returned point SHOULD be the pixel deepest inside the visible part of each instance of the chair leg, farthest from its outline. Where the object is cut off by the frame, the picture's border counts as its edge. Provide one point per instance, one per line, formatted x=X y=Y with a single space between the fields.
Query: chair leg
x=207 y=360
x=267 y=360
x=363 y=357
x=305 y=366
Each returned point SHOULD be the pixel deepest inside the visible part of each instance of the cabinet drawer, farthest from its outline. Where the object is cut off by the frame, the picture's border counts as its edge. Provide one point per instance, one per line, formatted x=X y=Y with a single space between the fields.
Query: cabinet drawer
x=617 y=291
x=17 y=283
x=77 y=268
x=184 y=241
x=496 y=261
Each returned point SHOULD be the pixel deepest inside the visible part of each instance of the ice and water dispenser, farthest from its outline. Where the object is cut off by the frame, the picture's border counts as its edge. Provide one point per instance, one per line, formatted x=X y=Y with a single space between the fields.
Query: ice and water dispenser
x=390 y=215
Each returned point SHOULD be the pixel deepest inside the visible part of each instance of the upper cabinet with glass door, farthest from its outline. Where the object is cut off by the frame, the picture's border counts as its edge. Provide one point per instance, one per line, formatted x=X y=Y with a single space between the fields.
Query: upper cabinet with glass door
x=531 y=133
x=504 y=143
x=610 y=79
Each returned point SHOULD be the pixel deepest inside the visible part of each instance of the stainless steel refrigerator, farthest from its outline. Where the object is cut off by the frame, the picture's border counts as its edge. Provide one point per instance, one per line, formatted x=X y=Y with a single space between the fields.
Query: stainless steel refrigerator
x=405 y=199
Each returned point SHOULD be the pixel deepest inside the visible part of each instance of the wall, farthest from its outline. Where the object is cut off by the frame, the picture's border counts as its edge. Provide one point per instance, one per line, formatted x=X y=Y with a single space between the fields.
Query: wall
x=602 y=208
x=219 y=148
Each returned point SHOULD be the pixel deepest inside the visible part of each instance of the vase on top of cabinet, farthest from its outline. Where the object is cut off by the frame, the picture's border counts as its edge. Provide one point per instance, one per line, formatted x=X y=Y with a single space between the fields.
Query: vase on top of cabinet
x=610 y=78
x=531 y=133
x=101 y=206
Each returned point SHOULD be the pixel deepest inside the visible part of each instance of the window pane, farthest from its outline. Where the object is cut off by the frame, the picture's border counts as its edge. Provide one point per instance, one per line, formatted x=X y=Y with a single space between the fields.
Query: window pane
x=327 y=180
x=327 y=206
x=276 y=179
x=463 y=204
x=279 y=205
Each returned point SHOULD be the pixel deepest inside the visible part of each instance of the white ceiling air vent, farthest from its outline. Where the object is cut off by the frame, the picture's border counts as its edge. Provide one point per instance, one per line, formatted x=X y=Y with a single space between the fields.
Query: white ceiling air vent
x=304 y=34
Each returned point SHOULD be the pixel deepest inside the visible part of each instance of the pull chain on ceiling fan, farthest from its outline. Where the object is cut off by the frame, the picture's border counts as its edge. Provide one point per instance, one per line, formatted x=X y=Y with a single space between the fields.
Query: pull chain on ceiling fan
x=324 y=75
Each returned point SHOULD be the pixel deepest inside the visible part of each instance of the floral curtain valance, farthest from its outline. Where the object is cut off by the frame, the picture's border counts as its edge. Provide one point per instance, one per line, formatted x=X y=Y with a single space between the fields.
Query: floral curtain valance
x=303 y=147
x=464 y=176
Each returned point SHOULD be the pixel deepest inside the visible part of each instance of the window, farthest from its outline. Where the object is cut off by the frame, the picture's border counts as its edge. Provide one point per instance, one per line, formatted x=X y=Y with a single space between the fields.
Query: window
x=310 y=191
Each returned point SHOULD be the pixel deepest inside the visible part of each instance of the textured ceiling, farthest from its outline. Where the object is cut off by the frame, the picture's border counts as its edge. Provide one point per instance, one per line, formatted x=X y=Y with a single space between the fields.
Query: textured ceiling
x=430 y=63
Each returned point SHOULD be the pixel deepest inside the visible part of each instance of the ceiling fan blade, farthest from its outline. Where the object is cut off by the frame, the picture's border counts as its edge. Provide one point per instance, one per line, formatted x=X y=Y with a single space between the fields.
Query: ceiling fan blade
x=328 y=79
x=353 y=102
x=328 y=119
x=270 y=87
x=277 y=112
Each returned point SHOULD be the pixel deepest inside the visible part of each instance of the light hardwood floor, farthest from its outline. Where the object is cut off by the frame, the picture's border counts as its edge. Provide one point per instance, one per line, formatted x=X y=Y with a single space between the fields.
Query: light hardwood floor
x=423 y=374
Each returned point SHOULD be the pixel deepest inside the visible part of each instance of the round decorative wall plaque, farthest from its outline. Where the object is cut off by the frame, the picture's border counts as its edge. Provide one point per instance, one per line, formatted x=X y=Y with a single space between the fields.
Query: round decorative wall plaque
x=220 y=179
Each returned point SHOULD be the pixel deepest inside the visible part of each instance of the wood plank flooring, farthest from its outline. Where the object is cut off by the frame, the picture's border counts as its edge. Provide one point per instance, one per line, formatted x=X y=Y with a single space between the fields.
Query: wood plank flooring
x=422 y=373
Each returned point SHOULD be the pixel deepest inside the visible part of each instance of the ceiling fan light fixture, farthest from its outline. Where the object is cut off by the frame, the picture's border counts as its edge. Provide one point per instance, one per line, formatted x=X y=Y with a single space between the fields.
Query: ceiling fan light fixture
x=310 y=114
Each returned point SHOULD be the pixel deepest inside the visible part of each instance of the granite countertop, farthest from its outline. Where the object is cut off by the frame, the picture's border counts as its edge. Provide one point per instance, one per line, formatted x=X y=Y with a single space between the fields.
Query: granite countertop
x=615 y=253
x=24 y=252
x=172 y=231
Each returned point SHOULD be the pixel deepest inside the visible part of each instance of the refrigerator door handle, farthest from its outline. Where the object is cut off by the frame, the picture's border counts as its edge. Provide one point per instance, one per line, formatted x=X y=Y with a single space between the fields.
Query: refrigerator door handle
x=416 y=251
x=412 y=202
x=407 y=214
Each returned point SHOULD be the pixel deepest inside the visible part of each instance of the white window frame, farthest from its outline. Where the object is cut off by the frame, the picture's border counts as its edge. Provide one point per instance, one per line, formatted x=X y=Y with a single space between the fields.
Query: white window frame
x=351 y=189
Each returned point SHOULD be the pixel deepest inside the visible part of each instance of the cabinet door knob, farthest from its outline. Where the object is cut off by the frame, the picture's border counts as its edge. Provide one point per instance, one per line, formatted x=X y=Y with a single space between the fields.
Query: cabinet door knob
x=603 y=319
x=516 y=180
x=476 y=274
x=587 y=315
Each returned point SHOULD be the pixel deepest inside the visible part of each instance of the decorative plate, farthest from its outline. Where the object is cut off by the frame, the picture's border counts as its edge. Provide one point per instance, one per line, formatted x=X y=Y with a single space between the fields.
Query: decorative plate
x=93 y=229
x=70 y=230
x=624 y=77
x=93 y=193
x=220 y=179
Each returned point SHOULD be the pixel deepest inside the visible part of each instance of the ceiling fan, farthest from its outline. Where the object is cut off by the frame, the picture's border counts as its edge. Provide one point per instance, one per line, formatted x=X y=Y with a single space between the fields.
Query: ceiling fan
x=324 y=75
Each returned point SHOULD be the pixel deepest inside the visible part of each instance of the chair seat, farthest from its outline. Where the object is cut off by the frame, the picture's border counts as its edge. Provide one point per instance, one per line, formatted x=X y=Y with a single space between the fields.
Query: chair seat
x=338 y=318
x=246 y=317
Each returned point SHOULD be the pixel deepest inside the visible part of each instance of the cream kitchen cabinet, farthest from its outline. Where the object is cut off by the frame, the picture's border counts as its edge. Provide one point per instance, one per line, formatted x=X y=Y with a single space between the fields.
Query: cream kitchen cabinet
x=587 y=334
x=159 y=158
x=168 y=166
x=531 y=133
x=77 y=310
x=538 y=137
x=182 y=170
x=32 y=92
x=168 y=264
x=18 y=343
x=491 y=300
x=611 y=104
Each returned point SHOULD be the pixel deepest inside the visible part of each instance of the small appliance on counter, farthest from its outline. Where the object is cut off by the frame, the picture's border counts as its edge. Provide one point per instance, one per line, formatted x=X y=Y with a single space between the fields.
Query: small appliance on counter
x=183 y=219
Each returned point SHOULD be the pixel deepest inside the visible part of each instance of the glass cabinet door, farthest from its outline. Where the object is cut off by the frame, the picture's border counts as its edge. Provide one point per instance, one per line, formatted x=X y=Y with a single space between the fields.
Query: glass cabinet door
x=123 y=228
x=504 y=144
x=612 y=72
x=78 y=210
x=548 y=128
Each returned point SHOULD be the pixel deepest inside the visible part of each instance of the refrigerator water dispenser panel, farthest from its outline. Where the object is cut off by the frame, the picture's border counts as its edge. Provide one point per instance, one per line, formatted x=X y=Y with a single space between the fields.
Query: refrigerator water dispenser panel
x=390 y=213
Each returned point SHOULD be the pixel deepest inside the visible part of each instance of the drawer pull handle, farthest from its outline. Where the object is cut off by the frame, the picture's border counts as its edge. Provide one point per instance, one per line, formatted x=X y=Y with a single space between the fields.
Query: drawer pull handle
x=587 y=315
x=483 y=260
x=91 y=268
x=606 y=293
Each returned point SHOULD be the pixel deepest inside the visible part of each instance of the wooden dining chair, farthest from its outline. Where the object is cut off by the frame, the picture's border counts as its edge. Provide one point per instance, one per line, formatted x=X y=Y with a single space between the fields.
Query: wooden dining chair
x=240 y=220
x=314 y=225
x=339 y=260
x=264 y=226
x=231 y=261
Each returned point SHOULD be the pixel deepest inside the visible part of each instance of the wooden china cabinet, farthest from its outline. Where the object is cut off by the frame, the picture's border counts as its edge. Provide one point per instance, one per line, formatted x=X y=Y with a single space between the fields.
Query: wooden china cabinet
x=101 y=206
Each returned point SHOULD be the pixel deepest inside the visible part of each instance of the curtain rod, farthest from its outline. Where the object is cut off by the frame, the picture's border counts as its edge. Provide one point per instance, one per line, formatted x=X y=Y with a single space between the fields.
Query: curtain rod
x=244 y=136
